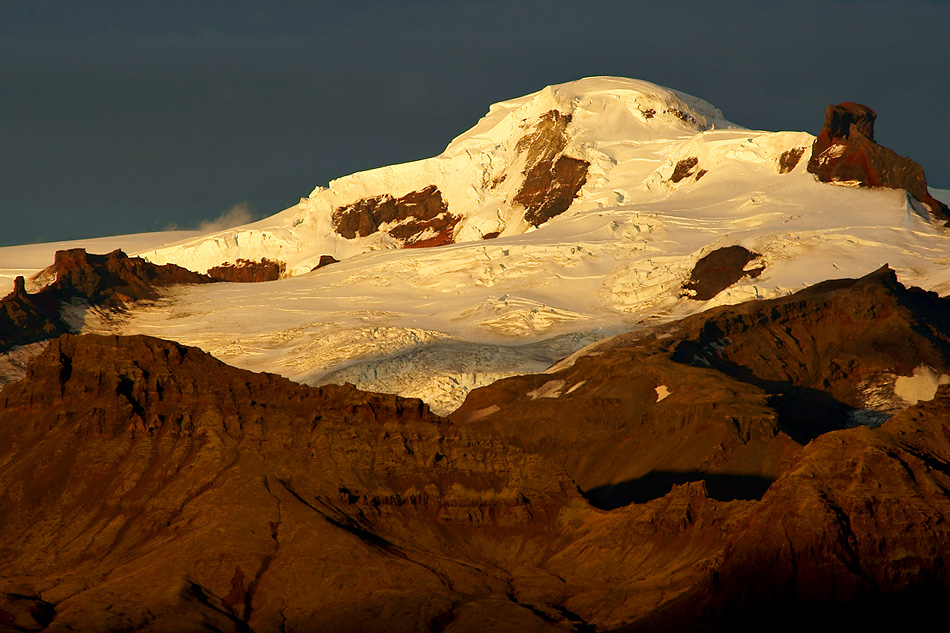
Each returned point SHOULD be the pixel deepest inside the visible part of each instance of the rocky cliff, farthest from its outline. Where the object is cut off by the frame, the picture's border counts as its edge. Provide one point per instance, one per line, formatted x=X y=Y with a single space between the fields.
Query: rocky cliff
x=80 y=279
x=845 y=151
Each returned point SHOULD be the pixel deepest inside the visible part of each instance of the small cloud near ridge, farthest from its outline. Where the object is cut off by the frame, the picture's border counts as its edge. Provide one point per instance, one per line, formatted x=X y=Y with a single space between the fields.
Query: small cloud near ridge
x=240 y=213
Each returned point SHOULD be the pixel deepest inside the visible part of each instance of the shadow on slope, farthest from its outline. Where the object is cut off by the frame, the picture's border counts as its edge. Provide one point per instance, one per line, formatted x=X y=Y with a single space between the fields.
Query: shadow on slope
x=658 y=483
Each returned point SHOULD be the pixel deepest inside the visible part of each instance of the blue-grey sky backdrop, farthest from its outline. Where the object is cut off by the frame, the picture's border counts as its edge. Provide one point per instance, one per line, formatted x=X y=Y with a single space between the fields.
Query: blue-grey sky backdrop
x=127 y=115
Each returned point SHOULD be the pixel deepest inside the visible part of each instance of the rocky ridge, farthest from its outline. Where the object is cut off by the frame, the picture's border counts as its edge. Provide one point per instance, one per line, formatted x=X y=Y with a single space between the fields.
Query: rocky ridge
x=82 y=280
x=651 y=483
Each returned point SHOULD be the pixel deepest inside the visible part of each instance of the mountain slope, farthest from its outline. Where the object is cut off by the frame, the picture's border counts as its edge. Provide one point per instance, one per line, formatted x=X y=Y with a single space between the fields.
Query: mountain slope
x=148 y=486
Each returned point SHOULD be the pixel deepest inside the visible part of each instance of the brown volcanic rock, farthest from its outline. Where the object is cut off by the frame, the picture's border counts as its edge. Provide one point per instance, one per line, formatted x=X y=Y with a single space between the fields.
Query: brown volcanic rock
x=108 y=281
x=551 y=179
x=839 y=337
x=550 y=187
x=789 y=159
x=114 y=278
x=26 y=319
x=870 y=508
x=748 y=385
x=684 y=168
x=248 y=271
x=188 y=494
x=845 y=151
x=603 y=419
x=854 y=534
x=718 y=270
x=147 y=486
x=421 y=218
x=325 y=260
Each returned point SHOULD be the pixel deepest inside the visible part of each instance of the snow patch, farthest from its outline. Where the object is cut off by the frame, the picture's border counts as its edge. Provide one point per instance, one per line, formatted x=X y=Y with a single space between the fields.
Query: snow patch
x=478 y=414
x=921 y=387
x=550 y=389
x=575 y=387
x=662 y=393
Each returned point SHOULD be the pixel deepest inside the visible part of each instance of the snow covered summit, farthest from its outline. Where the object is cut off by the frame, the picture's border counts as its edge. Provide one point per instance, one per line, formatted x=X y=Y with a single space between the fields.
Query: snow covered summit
x=526 y=161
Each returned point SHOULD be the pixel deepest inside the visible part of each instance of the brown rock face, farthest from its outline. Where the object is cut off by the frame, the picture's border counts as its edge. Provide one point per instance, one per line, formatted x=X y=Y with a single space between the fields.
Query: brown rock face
x=108 y=281
x=846 y=151
x=248 y=271
x=421 y=218
x=185 y=493
x=684 y=168
x=789 y=159
x=853 y=535
x=551 y=179
x=720 y=269
x=747 y=385
x=26 y=319
x=837 y=337
x=325 y=260
x=114 y=278
x=146 y=486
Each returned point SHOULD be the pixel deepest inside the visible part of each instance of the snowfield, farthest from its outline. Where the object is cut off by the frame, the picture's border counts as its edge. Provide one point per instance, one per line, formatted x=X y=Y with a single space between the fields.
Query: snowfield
x=436 y=322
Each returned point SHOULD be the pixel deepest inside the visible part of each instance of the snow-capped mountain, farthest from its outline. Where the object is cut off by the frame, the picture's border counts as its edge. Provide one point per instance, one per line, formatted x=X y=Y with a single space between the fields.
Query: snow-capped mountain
x=610 y=128
x=559 y=218
x=722 y=461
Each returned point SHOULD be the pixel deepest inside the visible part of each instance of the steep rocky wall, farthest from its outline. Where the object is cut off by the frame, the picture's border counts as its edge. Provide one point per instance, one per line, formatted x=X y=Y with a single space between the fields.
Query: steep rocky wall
x=845 y=151
x=551 y=179
x=247 y=271
x=417 y=219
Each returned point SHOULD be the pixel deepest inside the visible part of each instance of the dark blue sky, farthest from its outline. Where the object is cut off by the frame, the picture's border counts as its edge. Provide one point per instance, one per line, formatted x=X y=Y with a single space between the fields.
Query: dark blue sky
x=130 y=116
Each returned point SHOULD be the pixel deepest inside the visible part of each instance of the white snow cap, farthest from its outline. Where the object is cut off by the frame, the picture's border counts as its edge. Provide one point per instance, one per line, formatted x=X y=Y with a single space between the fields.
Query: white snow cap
x=477 y=174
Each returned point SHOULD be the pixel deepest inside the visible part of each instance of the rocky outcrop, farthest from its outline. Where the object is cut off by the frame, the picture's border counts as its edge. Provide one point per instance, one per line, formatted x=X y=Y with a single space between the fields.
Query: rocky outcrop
x=113 y=279
x=853 y=535
x=26 y=318
x=551 y=179
x=104 y=281
x=684 y=169
x=789 y=159
x=699 y=476
x=248 y=271
x=325 y=260
x=846 y=151
x=418 y=219
x=718 y=270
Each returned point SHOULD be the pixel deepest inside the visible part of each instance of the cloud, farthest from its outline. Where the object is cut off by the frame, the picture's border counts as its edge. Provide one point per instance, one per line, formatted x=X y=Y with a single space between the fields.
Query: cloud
x=241 y=213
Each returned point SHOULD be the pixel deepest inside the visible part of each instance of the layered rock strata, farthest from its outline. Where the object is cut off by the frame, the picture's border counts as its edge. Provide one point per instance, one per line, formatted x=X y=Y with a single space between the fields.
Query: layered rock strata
x=701 y=476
